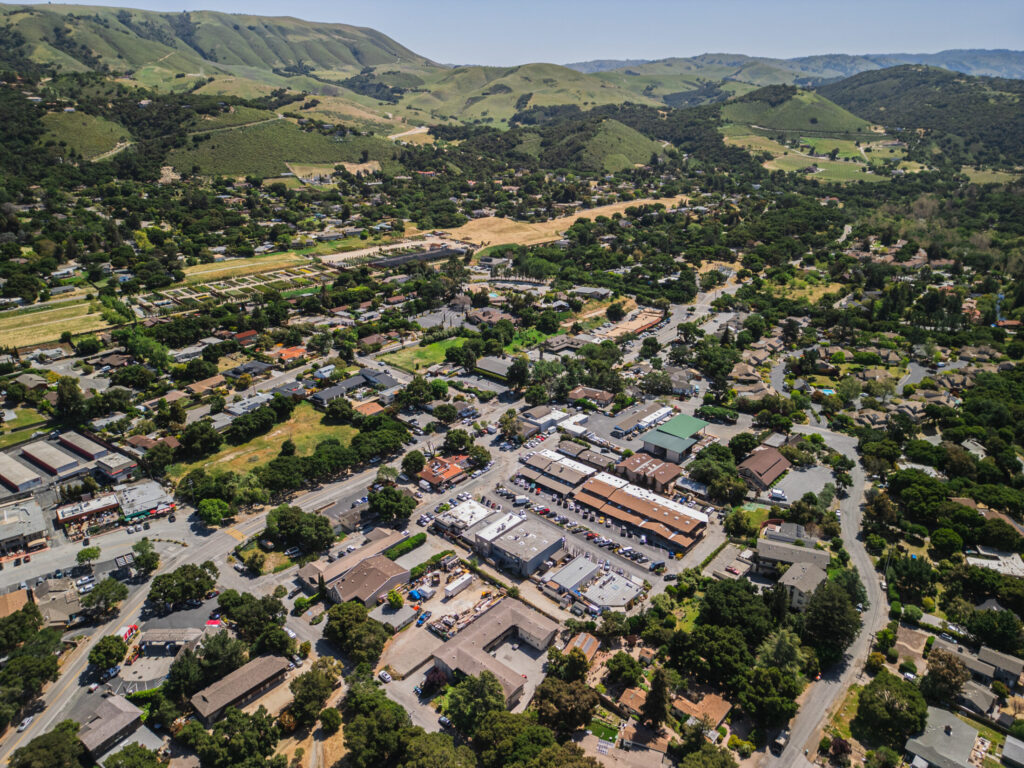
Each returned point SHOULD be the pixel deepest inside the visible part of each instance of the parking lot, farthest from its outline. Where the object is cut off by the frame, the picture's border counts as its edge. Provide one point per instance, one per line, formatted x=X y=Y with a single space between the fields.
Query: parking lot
x=799 y=481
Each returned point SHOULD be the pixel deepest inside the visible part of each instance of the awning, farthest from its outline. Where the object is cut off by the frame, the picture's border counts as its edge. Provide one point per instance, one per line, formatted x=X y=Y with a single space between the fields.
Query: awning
x=36 y=543
x=136 y=513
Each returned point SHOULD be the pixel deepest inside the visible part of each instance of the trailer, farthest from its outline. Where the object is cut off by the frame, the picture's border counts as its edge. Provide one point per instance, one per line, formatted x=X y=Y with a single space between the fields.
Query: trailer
x=458 y=585
x=426 y=592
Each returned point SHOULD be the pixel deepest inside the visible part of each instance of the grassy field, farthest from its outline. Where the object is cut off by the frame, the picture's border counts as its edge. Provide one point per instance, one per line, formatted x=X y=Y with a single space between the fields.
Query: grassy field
x=21 y=328
x=617 y=147
x=305 y=428
x=220 y=270
x=526 y=339
x=603 y=730
x=84 y=133
x=234 y=117
x=23 y=419
x=413 y=358
x=841 y=719
x=809 y=288
x=494 y=230
x=267 y=148
x=987 y=176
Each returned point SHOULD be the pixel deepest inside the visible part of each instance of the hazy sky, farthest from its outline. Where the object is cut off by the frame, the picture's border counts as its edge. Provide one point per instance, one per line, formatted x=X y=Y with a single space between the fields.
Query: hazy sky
x=562 y=31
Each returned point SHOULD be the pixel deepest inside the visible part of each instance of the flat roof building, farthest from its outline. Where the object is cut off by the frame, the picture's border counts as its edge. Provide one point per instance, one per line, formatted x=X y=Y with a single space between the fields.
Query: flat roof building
x=83 y=446
x=116 y=466
x=771 y=553
x=495 y=367
x=239 y=687
x=145 y=498
x=527 y=546
x=49 y=458
x=491 y=528
x=83 y=510
x=17 y=476
x=22 y=526
x=463 y=516
x=469 y=651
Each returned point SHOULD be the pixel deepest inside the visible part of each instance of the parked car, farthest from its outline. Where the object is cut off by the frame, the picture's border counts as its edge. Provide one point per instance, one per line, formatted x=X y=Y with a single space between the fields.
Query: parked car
x=443 y=721
x=384 y=676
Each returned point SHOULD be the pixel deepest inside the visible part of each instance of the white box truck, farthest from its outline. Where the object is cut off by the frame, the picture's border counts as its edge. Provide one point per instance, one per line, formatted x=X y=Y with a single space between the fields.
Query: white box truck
x=521 y=500
x=452 y=589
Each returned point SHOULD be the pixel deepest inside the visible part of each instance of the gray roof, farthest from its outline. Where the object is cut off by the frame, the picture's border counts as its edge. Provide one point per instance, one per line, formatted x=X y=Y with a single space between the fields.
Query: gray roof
x=969 y=660
x=803 y=577
x=791 y=553
x=497 y=366
x=944 y=749
x=576 y=572
x=1013 y=750
x=236 y=685
x=107 y=718
x=979 y=695
x=1003 y=661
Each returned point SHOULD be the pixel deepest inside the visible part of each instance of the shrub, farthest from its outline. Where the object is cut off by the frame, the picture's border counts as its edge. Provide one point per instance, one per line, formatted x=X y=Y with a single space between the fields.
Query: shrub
x=908 y=665
x=423 y=567
x=408 y=545
x=892 y=655
x=824 y=745
x=912 y=613
x=999 y=689
x=895 y=610
x=744 y=748
x=874 y=663
x=928 y=604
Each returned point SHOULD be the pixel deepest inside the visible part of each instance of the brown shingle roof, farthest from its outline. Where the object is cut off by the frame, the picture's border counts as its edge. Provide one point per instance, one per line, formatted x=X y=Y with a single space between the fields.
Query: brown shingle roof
x=236 y=685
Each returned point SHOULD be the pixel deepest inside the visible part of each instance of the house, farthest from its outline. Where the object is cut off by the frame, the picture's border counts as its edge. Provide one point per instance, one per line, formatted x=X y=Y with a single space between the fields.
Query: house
x=800 y=581
x=763 y=467
x=12 y=602
x=977 y=698
x=589 y=292
x=712 y=709
x=327 y=571
x=110 y=720
x=253 y=368
x=598 y=397
x=649 y=471
x=1007 y=668
x=469 y=652
x=185 y=354
x=247 y=338
x=200 y=388
x=1013 y=752
x=947 y=742
x=770 y=554
x=239 y=687
x=632 y=701
x=369 y=580
x=585 y=643
x=31 y=381
x=442 y=472
x=58 y=600
x=290 y=354
x=487 y=316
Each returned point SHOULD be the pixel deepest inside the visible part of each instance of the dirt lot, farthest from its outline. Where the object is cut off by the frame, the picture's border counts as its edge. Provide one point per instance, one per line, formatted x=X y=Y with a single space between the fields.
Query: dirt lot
x=910 y=644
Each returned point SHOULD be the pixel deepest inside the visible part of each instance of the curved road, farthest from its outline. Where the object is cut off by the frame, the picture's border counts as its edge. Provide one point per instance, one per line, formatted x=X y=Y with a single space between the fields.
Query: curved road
x=821 y=698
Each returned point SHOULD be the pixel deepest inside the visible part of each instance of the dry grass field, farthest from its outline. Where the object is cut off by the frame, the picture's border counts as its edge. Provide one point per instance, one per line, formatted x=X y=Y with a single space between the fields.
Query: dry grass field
x=493 y=230
x=203 y=273
x=22 y=328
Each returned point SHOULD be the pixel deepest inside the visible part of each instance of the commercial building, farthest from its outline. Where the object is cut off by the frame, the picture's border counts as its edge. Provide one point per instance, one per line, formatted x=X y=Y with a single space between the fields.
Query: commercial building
x=763 y=467
x=12 y=602
x=598 y=397
x=83 y=446
x=673 y=439
x=1013 y=752
x=770 y=554
x=554 y=472
x=674 y=526
x=947 y=742
x=494 y=526
x=144 y=499
x=16 y=476
x=585 y=643
x=800 y=581
x=462 y=517
x=111 y=720
x=544 y=417
x=115 y=466
x=49 y=458
x=85 y=510
x=495 y=367
x=597 y=590
x=369 y=580
x=443 y=472
x=239 y=687
x=526 y=547
x=22 y=526
x=376 y=542
x=469 y=652
x=631 y=423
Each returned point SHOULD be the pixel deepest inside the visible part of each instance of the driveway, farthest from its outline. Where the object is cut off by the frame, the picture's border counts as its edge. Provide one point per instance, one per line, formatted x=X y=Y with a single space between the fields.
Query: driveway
x=799 y=481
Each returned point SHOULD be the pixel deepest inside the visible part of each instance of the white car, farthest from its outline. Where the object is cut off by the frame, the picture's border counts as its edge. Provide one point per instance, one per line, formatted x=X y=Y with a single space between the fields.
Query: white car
x=384 y=676
x=26 y=723
x=289 y=632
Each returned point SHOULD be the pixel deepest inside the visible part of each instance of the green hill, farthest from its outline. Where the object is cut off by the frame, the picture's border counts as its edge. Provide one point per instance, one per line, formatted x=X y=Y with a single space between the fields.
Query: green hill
x=786 y=109
x=87 y=135
x=966 y=119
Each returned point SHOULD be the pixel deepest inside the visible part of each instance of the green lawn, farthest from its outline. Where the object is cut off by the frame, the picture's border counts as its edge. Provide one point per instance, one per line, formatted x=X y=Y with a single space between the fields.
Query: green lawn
x=413 y=358
x=84 y=133
x=305 y=428
x=603 y=730
x=24 y=418
x=527 y=338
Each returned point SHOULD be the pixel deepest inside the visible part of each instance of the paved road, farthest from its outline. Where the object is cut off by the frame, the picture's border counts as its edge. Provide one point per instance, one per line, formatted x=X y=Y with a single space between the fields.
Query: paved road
x=916 y=372
x=66 y=693
x=822 y=697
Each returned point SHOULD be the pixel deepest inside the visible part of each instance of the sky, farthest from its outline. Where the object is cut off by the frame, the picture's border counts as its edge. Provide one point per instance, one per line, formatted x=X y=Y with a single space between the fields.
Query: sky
x=562 y=31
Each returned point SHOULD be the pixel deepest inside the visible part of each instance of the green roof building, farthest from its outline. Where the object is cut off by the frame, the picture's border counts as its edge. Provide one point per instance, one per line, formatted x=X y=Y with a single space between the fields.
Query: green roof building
x=674 y=439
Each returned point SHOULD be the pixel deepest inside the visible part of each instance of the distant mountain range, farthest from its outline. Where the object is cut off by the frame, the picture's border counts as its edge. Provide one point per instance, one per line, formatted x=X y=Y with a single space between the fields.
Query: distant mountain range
x=973 y=61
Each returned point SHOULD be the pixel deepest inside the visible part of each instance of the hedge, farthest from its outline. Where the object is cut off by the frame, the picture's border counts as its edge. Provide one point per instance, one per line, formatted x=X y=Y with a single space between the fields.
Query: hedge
x=423 y=567
x=408 y=545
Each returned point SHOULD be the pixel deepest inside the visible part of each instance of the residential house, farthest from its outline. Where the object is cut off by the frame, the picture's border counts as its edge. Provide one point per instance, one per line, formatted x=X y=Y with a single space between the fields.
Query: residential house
x=109 y=721
x=947 y=742
x=770 y=554
x=1007 y=668
x=487 y=316
x=369 y=581
x=763 y=467
x=712 y=709
x=585 y=643
x=800 y=581
x=598 y=397
x=632 y=701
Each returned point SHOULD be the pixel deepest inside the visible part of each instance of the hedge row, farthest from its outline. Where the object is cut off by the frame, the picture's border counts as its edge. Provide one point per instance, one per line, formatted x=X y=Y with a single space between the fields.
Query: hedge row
x=425 y=566
x=406 y=546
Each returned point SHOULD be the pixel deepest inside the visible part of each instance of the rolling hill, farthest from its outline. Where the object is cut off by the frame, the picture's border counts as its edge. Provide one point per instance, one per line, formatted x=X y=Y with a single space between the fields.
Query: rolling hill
x=785 y=109
x=966 y=119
